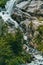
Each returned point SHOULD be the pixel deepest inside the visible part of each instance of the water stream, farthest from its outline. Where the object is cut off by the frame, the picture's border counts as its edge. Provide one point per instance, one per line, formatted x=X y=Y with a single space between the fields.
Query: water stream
x=6 y=14
x=9 y=5
x=6 y=17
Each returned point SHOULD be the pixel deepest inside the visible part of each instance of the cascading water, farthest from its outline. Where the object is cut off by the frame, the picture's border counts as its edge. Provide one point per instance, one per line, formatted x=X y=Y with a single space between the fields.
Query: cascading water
x=9 y=6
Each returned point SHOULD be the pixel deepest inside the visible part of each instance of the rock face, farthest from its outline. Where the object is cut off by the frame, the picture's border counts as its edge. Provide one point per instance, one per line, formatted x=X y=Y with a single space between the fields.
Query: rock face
x=31 y=5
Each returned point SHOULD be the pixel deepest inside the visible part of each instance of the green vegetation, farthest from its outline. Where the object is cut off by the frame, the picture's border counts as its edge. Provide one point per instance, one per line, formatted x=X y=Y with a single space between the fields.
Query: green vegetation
x=2 y=3
x=39 y=38
x=40 y=18
x=35 y=37
x=11 y=47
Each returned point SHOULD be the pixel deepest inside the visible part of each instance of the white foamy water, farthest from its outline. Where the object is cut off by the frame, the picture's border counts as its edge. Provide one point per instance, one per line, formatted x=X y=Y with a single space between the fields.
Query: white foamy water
x=9 y=5
x=6 y=14
x=6 y=17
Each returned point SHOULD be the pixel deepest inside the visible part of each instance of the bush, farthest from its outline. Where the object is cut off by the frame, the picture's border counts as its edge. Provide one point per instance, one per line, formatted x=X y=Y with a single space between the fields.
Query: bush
x=2 y=3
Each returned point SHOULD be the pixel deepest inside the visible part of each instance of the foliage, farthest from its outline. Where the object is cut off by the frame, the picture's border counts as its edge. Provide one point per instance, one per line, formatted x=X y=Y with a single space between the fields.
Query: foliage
x=27 y=57
x=39 y=38
x=11 y=47
x=3 y=27
x=5 y=51
x=16 y=42
x=2 y=3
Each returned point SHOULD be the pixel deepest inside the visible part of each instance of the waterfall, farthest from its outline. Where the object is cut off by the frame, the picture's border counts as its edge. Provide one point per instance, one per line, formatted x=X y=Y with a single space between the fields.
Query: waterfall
x=9 y=5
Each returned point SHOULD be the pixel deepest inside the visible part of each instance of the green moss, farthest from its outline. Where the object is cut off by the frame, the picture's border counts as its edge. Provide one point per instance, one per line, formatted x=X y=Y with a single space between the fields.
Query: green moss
x=2 y=3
